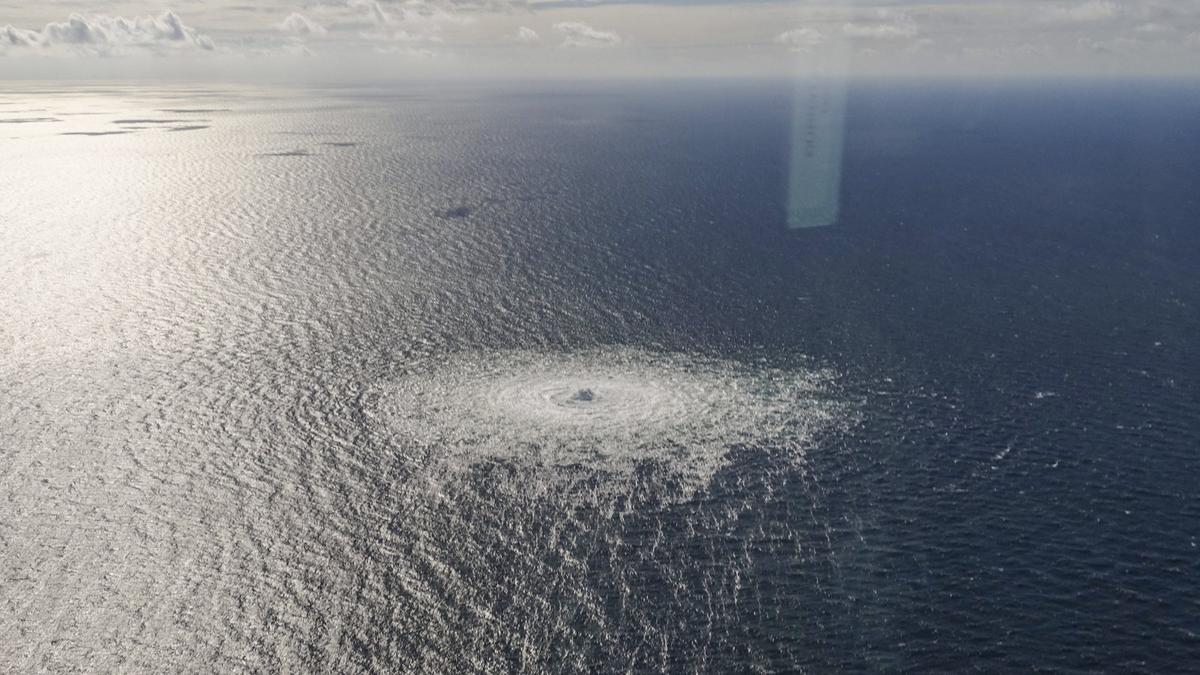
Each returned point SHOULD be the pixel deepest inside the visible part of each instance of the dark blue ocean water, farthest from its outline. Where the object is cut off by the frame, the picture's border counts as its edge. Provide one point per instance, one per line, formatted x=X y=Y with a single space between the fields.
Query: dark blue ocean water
x=1019 y=267
x=537 y=379
x=1013 y=288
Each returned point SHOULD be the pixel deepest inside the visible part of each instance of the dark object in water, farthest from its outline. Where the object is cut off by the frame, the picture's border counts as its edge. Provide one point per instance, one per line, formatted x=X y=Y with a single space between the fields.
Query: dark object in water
x=457 y=212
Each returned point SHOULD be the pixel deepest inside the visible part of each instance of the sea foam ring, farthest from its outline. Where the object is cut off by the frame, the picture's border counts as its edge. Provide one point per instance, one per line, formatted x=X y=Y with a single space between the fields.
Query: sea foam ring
x=610 y=409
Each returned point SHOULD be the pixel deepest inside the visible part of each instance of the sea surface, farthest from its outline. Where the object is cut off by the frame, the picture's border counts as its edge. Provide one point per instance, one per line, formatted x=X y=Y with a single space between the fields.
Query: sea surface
x=535 y=378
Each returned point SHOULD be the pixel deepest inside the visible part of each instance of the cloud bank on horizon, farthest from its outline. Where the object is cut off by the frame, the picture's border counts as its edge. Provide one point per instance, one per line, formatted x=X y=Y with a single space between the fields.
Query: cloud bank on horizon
x=107 y=35
x=582 y=37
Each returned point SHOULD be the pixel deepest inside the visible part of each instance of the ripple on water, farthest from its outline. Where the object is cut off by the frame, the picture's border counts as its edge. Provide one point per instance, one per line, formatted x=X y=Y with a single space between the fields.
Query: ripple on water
x=608 y=410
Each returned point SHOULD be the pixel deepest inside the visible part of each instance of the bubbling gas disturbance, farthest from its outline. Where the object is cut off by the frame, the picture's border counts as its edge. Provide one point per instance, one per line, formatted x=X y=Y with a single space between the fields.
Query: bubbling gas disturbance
x=609 y=410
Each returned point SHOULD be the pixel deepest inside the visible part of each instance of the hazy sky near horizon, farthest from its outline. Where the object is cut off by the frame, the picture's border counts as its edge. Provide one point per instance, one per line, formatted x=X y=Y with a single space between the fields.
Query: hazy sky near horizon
x=372 y=38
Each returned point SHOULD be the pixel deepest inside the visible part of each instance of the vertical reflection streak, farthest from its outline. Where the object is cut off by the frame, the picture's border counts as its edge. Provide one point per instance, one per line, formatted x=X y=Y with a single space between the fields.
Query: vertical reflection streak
x=818 y=128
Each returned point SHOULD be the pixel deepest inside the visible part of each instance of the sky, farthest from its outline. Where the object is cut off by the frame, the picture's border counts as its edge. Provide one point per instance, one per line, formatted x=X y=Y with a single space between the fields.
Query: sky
x=366 y=39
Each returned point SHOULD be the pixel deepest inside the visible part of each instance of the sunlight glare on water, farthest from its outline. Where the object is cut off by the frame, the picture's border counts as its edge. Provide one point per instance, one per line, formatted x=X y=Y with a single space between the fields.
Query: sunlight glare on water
x=450 y=378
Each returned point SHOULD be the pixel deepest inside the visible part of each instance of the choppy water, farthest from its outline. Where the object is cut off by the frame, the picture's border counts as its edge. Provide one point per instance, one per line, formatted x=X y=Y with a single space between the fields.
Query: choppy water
x=489 y=378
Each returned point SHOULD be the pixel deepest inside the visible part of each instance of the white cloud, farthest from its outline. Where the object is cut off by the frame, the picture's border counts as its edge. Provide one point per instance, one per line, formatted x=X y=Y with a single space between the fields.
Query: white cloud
x=296 y=48
x=710 y=36
x=527 y=35
x=579 y=34
x=412 y=22
x=12 y=36
x=410 y=53
x=800 y=39
x=1091 y=10
x=102 y=34
x=920 y=45
x=1120 y=45
x=299 y=24
x=373 y=10
x=1153 y=28
x=878 y=31
x=885 y=25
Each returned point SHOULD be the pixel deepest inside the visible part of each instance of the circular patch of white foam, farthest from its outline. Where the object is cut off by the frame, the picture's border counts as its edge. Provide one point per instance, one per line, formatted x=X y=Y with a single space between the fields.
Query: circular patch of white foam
x=607 y=409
